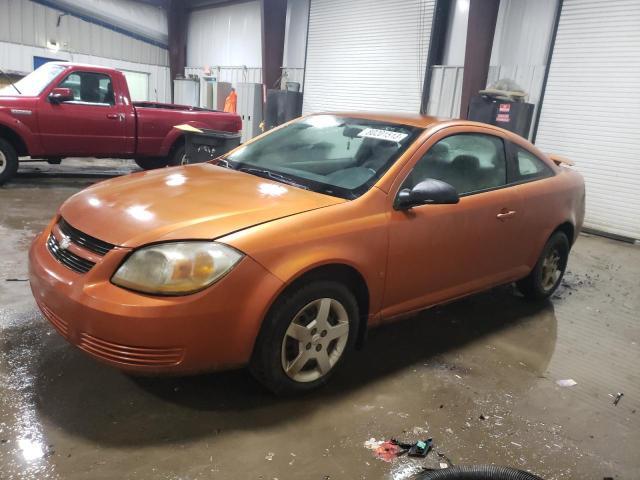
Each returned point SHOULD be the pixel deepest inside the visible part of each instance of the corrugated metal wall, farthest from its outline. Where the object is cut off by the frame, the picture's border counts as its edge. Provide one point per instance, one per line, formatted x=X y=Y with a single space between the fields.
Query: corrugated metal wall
x=26 y=27
x=28 y=23
x=367 y=54
x=591 y=109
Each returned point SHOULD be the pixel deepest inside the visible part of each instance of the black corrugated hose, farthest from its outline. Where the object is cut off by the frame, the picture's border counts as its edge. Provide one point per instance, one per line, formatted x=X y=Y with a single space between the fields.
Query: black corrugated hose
x=477 y=472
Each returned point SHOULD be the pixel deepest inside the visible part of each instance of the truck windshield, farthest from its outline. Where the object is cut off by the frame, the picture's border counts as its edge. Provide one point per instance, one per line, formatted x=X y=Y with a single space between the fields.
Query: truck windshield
x=334 y=155
x=35 y=82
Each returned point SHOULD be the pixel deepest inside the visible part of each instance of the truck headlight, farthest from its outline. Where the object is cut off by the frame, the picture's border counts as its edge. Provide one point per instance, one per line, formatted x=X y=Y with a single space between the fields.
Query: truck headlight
x=176 y=268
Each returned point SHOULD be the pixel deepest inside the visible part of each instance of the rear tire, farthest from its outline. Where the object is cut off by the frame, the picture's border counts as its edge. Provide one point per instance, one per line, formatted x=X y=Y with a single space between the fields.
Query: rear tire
x=305 y=337
x=549 y=269
x=151 y=163
x=179 y=156
x=8 y=161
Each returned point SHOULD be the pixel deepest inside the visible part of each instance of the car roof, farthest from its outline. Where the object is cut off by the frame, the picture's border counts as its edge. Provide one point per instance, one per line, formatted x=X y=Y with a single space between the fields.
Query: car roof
x=414 y=120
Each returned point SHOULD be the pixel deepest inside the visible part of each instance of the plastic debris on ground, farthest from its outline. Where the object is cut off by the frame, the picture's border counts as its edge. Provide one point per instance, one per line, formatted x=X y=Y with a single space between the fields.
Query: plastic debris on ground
x=616 y=398
x=569 y=382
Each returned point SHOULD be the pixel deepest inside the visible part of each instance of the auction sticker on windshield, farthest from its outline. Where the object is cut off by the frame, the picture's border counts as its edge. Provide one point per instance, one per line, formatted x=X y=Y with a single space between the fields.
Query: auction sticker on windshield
x=383 y=134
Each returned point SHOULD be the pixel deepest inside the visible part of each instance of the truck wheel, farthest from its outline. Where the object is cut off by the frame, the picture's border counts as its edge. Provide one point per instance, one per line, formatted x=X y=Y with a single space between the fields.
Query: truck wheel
x=8 y=161
x=179 y=157
x=151 y=163
x=305 y=337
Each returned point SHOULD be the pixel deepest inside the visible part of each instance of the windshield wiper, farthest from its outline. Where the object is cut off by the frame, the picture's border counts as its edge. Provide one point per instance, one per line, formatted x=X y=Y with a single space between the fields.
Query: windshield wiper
x=10 y=81
x=223 y=162
x=273 y=176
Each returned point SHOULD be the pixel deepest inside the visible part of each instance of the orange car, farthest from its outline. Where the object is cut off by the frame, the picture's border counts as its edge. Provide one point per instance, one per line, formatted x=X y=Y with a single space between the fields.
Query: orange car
x=282 y=253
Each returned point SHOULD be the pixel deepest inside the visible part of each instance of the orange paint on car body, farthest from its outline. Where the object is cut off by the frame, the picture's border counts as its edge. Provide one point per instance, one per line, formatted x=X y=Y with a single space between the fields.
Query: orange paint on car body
x=408 y=259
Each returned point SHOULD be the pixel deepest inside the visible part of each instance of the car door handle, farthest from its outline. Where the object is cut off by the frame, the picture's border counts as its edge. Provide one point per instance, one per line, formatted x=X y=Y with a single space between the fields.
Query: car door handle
x=505 y=214
x=115 y=116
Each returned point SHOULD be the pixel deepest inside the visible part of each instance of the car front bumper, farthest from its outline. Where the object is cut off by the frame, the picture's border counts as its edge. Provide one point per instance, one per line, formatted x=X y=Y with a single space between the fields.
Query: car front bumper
x=214 y=329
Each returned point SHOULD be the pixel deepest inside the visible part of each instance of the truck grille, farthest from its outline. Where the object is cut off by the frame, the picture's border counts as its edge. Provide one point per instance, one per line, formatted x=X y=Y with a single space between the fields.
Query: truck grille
x=84 y=240
x=67 y=258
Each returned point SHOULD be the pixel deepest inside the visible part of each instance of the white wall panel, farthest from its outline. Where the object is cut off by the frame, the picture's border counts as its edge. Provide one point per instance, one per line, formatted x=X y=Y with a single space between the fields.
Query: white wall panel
x=591 y=109
x=24 y=22
x=523 y=32
x=295 y=39
x=19 y=59
x=227 y=35
x=367 y=54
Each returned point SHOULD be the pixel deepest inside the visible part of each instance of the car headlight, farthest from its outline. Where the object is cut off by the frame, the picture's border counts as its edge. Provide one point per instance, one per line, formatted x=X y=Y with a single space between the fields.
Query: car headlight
x=176 y=268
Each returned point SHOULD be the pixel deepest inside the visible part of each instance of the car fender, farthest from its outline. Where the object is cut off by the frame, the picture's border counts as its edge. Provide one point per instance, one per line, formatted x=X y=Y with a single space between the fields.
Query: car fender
x=336 y=235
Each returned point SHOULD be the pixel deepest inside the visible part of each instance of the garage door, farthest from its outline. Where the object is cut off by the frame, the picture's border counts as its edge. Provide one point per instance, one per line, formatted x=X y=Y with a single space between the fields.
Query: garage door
x=367 y=54
x=591 y=110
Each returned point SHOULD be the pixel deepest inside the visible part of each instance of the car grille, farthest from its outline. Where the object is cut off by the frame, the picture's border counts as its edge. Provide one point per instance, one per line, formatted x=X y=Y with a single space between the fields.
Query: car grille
x=134 y=356
x=67 y=258
x=71 y=259
x=84 y=240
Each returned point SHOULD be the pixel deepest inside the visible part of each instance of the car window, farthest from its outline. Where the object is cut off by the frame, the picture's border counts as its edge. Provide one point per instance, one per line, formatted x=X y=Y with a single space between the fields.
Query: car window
x=529 y=167
x=90 y=87
x=468 y=162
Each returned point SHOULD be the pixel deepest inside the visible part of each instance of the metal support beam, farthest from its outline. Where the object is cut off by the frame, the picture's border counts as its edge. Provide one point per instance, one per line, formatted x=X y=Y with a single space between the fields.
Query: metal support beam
x=436 y=47
x=177 y=18
x=480 y=29
x=274 y=17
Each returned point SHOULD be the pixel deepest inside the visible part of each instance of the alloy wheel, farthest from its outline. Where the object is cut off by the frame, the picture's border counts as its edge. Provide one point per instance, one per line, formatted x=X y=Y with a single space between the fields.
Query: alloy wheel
x=315 y=340
x=551 y=269
x=3 y=162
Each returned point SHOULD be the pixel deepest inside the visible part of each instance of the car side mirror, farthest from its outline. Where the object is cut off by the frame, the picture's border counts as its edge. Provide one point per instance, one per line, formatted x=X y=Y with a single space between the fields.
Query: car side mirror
x=427 y=192
x=59 y=95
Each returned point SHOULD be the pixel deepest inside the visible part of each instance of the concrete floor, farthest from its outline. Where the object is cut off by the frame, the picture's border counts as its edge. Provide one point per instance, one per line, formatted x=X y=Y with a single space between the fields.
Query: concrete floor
x=479 y=376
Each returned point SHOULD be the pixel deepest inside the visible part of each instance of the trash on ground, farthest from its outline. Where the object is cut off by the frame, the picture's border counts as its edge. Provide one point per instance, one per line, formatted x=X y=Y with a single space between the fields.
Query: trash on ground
x=616 y=398
x=569 y=382
x=387 y=450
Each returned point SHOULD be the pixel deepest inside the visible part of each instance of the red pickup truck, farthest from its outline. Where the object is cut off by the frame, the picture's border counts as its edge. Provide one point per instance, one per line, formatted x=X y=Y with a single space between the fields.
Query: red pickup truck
x=73 y=110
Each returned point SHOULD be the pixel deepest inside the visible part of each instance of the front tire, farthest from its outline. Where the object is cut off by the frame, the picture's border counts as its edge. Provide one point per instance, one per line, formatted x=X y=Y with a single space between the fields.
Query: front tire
x=305 y=337
x=8 y=161
x=549 y=269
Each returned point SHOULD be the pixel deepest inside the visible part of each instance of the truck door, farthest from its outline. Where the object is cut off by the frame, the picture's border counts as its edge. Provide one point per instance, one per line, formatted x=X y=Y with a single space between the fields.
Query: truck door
x=92 y=124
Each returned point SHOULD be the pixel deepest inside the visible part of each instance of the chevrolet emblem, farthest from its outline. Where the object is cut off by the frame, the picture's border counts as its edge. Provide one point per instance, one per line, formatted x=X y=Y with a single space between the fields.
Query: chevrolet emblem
x=64 y=243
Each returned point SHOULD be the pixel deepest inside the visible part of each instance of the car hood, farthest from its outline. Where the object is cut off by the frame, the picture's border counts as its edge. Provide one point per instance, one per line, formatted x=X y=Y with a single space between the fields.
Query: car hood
x=200 y=201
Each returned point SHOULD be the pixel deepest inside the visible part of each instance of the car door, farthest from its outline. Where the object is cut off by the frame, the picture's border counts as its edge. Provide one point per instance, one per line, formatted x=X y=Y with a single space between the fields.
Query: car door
x=92 y=124
x=440 y=252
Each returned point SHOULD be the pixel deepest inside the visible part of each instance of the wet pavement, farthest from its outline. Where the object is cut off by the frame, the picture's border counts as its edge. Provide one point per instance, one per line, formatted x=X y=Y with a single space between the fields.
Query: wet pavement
x=478 y=375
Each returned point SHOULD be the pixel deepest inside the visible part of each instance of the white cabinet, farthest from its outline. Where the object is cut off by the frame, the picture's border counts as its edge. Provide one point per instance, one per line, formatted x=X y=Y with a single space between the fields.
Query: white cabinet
x=250 y=109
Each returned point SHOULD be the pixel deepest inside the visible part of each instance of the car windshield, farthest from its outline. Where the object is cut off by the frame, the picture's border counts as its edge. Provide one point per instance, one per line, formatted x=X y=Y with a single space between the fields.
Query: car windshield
x=35 y=82
x=334 y=155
